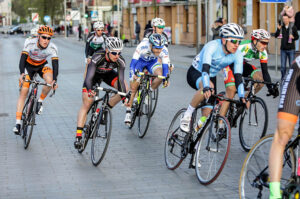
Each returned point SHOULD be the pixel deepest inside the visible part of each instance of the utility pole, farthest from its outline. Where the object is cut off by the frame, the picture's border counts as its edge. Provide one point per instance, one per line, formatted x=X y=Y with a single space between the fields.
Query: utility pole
x=199 y=21
x=119 y=18
x=65 y=6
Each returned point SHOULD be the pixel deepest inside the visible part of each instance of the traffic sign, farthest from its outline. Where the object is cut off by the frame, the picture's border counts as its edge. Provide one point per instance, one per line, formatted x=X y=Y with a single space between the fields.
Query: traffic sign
x=273 y=1
x=35 y=17
x=47 y=18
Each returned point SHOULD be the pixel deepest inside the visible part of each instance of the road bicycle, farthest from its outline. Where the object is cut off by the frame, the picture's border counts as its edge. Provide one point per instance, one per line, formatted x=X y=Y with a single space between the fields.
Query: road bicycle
x=209 y=147
x=29 y=110
x=142 y=107
x=254 y=121
x=254 y=177
x=98 y=127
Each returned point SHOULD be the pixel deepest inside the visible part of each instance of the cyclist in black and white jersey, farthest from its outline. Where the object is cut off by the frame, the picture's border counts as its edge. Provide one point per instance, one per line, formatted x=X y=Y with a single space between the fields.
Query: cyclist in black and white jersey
x=158 y=26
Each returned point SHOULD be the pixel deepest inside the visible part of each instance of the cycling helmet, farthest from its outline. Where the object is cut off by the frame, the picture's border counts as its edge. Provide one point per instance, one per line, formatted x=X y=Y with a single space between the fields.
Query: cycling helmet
x=45 y=30
x=98 y=25
x=157 y=22
x=232 y=30
x=114 y=44
x=156 y=40
x=260 y=34
x=34 y=31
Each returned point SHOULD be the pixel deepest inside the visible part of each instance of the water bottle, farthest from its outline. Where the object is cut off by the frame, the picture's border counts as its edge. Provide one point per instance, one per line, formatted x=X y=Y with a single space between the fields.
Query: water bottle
x=200 y=123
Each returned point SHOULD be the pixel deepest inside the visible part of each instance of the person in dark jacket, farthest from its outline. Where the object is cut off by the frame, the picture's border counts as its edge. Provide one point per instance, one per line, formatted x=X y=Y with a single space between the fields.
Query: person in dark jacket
x=216 y=28
x=137 y=32
x=287 y=49
x=148 y=25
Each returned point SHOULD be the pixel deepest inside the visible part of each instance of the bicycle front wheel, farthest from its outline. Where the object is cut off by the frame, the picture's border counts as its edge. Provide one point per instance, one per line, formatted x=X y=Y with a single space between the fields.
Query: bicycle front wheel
x=154 y=98
x=212 y=150
x=174 y=144
x=101 y=136
x=253 y=123
x=28 y=121
x=254 y=177
x=144 y=114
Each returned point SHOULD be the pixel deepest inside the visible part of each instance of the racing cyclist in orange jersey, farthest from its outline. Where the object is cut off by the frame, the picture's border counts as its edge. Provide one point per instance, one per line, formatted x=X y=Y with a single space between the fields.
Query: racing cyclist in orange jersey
x=34 y=60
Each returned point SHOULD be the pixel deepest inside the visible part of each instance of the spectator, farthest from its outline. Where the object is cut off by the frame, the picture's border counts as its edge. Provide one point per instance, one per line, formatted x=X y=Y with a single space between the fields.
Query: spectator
x=289 y=12
x=297 y=24
x=287 y=49
x=109 y=29
x=79 y=32
x=215 y=28
x=148 y=25
x=137 y=32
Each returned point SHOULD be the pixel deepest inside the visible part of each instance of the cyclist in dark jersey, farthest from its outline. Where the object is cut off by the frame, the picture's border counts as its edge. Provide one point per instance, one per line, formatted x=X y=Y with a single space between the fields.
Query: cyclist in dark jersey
x=102 y=68
x=158 y=25
x=288 y=113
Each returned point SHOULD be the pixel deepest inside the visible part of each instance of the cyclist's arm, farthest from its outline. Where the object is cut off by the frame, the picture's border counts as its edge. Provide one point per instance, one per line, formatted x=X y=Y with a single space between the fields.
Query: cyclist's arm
x=165 y=61
x=135 y=58
x=22 y=63
x=87 y=46
x=238 y=71
x=207 y=58
x=55 y=68
x=91 y=70
x=121 y=69
x=166 y=38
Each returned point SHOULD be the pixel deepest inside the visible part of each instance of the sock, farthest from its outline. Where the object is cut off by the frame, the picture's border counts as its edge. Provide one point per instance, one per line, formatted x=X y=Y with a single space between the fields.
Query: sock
x=18 y=117
x=275 y=190
x=42 y=97
x=79 y=132
x=128 y=110
x=221 y=125
x=189 y=111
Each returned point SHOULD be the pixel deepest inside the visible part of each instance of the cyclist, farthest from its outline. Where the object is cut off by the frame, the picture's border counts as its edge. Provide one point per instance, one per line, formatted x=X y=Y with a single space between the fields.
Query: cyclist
x=34 y=32
x=95 y=40
x=158 y=25
x=251 y=49
x=34 y=60
x=215 y=56
x=288 y=113
x=102 y=68
x=146 y=56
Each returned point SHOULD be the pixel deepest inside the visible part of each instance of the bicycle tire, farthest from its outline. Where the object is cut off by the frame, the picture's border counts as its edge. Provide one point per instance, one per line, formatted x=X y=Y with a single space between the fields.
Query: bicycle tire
x=170 y=143
x=248 y=135
x=97 y=136
x=154 y=97
x=248 y=185
x=30 y=122
x=144 y=110
x=87 y=127
x=203 y=171
x=134 y=114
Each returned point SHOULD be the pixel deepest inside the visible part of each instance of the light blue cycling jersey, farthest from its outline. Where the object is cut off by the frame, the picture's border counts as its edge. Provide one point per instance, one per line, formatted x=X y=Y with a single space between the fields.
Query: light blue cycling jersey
x=213 y=55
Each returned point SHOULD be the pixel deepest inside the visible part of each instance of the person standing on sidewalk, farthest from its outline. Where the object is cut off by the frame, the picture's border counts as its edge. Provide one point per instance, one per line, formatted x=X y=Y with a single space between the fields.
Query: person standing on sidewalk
x=287 y=49
x=79 y=32
x=137 y=32
x=215 y=28
x=297 y=24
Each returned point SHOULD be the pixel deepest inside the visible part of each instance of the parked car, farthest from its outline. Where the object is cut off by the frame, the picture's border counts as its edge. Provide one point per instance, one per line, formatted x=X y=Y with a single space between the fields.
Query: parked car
x=16 y=30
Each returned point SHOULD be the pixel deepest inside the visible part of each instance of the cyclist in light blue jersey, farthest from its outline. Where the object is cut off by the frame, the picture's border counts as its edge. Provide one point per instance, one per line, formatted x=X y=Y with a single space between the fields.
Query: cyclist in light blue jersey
x=215 y=56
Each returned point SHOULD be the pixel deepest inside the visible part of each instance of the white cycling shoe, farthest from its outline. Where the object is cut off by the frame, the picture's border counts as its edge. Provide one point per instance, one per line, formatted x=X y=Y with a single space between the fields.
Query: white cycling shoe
x=185 y=123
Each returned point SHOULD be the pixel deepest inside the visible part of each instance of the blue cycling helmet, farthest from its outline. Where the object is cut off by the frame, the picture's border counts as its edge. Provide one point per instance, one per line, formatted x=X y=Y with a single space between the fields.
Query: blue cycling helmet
x=156 y=40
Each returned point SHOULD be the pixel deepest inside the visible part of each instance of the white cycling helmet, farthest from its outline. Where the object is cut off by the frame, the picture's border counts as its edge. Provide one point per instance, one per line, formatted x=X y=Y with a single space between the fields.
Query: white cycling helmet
x=34 y=31
x=157 y=22
x=114 y=44
x=231 y=30
x=98 y=25
x=260 y=34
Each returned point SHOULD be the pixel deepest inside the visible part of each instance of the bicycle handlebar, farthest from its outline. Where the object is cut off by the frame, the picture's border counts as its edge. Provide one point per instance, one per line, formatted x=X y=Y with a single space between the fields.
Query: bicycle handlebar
x=108 y=90
x=249 y=79
x=151 y=75
x=38 y=83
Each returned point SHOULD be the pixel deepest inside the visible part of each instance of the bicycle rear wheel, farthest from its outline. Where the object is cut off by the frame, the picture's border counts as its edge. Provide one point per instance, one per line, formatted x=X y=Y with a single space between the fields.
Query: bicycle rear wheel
x=212 y=150
x=144 y=114
x=254 y=177
x=253 y=123
x=154 y=98
x=101 y=136
x=28 y=121
x=174 y=144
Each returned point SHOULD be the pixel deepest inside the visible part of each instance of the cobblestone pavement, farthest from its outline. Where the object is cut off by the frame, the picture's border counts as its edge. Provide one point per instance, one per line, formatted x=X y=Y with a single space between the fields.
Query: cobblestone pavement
x=132 y=167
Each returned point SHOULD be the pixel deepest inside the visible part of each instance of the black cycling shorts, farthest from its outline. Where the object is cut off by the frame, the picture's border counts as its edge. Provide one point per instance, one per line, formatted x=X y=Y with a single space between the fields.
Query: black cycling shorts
x=41 y=69
x=109 y=78
x=289 y=103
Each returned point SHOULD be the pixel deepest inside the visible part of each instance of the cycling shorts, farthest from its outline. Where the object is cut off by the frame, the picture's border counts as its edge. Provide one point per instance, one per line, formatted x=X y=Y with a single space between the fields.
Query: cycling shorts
x=31 y=70
x=194 y=77
x=248 y=70
x=289 y=103
x=151 y=66
x=109 y=78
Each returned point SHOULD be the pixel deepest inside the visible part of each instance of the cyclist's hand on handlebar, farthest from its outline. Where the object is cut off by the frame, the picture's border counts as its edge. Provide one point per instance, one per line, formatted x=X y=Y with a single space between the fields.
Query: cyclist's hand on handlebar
x=244 y=101
x=22 y=77
x=54 y=85
x=91 y=93
x=207 y=92
x=273 y=91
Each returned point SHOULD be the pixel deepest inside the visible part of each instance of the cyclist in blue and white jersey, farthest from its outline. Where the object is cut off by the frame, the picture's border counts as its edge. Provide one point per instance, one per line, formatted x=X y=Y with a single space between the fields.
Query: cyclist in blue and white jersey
x=215 y=56
x=146 y=56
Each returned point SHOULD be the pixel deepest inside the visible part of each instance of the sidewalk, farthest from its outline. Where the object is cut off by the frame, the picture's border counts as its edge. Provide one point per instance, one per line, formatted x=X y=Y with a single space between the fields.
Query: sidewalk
x=182 y=56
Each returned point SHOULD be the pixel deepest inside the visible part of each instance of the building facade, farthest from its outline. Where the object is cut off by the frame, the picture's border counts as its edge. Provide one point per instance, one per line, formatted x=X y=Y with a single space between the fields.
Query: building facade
x=5 y=13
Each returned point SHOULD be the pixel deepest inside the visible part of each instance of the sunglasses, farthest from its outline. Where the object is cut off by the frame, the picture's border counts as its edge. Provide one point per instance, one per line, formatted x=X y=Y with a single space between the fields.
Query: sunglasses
x=115 y=53
x=99 y=30
x=264 y=42
x=234 y=41
x=44 y=37
x=161 y=27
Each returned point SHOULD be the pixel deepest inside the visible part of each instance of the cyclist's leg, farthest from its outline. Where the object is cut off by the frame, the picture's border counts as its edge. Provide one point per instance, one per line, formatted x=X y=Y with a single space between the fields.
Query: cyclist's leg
x=156 y=69
x=47 y=75
x=254 y=73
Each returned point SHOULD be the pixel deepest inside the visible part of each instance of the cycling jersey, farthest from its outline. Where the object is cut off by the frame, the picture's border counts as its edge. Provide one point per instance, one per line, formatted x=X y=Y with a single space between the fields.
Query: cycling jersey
x=214 y=59
x=36 y=56
x=148 y=32
x=144 y=57
x=101 y=65
x=250 y=53
x=94 y=43
x=289 y=103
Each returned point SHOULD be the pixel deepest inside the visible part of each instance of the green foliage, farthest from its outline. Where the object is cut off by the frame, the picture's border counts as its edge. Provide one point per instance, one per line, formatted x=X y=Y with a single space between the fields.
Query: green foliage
x=53 y=8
